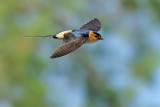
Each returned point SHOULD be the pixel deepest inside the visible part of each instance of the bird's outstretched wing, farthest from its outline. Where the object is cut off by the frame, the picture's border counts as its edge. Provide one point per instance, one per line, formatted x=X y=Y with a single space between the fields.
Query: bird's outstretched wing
x=94 y=25
x=69 y=47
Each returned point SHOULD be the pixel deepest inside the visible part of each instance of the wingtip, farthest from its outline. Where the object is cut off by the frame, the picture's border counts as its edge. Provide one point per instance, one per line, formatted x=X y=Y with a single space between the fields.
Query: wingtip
x=52 y=57
x=96 y=19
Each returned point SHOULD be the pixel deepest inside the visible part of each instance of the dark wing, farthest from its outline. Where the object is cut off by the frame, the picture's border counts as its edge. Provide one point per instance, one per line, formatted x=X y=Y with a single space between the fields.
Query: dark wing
x=67 y=48
x=68 y=37
x=94 y=25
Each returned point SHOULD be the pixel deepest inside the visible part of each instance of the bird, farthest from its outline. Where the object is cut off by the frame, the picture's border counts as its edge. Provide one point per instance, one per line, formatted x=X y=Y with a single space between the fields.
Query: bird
x=73 y=39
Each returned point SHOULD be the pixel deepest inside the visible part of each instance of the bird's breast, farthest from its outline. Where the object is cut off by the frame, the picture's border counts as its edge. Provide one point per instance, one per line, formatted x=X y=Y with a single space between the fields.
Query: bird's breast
x=90 y=41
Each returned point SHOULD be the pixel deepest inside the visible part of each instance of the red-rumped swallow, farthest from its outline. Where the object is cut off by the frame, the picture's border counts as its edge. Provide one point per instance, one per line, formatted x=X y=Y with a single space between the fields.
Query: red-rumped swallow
x=73 y=39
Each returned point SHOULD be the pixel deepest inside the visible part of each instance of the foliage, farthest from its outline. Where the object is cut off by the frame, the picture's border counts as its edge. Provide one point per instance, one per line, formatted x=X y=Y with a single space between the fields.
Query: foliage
x=105 y=74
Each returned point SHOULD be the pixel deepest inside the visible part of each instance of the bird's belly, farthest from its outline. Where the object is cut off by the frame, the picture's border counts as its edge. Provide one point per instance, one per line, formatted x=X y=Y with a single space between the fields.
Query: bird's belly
x=91 y=41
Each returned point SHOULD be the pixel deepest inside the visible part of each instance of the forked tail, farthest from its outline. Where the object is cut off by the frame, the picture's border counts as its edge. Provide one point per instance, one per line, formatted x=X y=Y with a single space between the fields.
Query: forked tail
x=47 y=36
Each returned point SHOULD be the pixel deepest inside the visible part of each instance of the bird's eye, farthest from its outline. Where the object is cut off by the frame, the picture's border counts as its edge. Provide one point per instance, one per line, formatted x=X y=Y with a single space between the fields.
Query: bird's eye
x=96 y=36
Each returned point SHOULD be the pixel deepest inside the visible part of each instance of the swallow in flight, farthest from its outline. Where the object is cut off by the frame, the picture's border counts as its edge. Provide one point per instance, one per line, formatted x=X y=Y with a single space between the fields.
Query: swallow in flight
x=73 y=39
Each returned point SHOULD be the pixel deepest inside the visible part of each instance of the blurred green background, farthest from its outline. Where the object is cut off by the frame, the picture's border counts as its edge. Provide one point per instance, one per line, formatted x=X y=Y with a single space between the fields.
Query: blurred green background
x=123 y=70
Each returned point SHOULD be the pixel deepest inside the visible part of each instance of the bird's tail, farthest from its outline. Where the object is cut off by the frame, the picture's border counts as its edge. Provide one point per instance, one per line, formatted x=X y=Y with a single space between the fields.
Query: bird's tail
x=47 y=36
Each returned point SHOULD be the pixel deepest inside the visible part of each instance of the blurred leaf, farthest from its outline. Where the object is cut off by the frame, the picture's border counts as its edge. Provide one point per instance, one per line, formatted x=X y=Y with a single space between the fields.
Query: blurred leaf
x=144 y=66
x=130 y=4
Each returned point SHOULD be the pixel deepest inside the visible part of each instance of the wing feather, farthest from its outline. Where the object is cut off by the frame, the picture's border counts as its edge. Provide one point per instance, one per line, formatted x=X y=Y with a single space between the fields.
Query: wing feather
x=94 y=25
x=67 y=48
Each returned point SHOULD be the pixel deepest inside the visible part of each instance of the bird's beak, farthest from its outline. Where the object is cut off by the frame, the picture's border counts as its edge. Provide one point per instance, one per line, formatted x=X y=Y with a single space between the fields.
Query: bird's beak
x=102 y=39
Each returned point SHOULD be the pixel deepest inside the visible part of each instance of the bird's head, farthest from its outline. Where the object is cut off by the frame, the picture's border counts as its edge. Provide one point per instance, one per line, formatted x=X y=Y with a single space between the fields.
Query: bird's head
x=95 y=36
